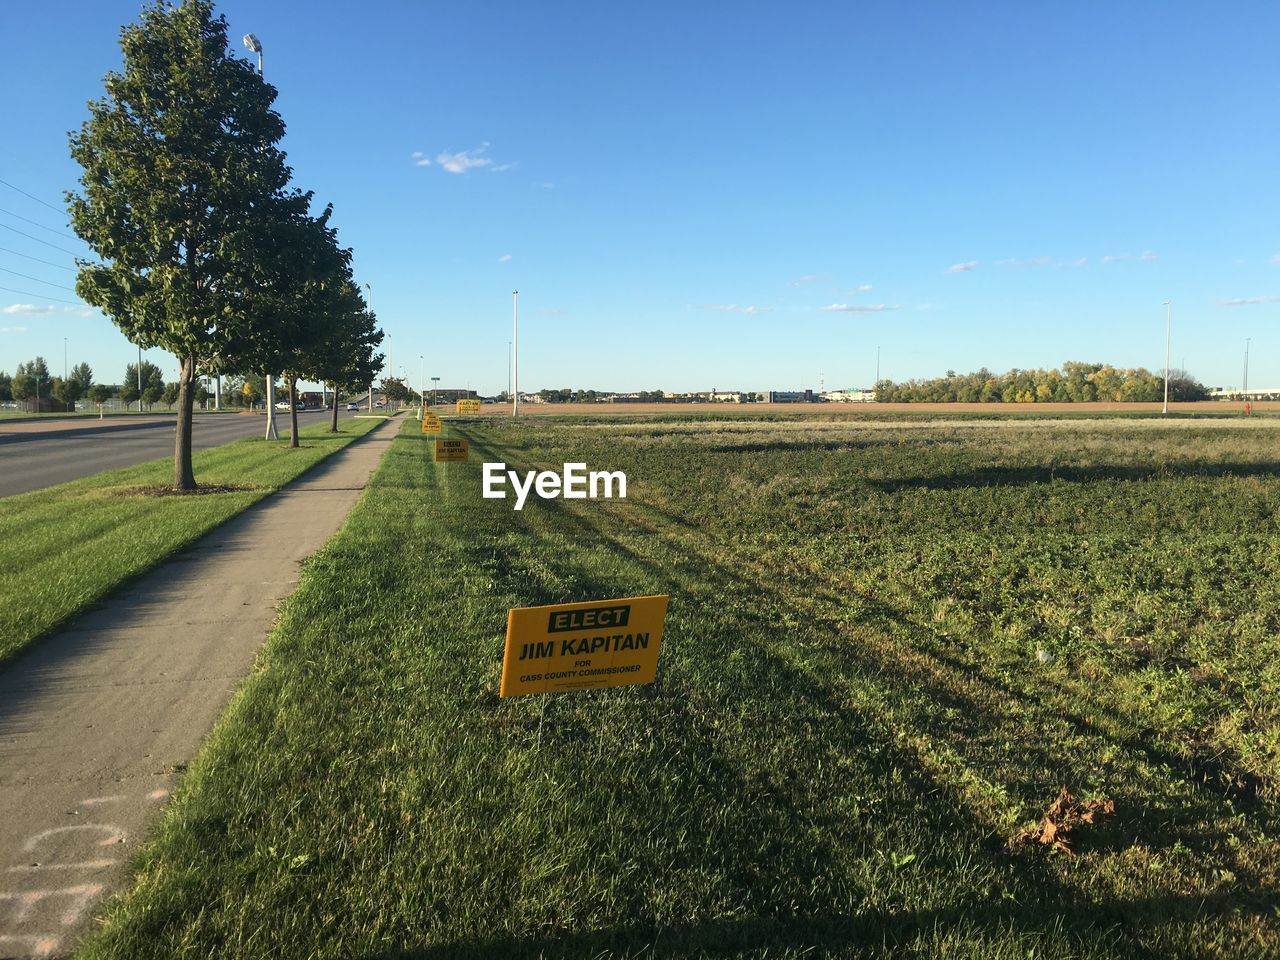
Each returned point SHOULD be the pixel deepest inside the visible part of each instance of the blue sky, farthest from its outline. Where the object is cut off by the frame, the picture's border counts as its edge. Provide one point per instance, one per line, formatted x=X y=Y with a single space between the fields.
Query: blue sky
x=691 y=198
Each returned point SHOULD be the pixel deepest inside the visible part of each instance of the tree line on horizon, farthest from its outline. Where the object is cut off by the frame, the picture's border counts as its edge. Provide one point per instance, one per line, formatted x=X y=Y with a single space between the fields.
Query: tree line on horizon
x=1075 y=382
x=206 y=248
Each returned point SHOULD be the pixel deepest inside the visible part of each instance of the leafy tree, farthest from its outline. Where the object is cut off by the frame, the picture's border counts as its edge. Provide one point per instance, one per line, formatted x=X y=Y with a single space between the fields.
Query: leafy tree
x=170 y=395
x=350 y=362
x=68 y=391
x=82 y=373
x=152 y=395
x=6 y=386
x=31 y=379
x=152 y=379
x=183 y=186
x=100 y=393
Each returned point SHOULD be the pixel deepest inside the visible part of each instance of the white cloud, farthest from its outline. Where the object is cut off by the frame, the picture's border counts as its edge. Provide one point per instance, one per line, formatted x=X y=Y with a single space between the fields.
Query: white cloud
x=1147 y=256
x=807 y=278
x=463 y=160
x=27 y=308
x=734 y=308
x=1275 y=259
x=860 y=288
x=1082 y=262
x=13 y=329
x=1014 y=262
x=548 y=185
x=859 y=307
x=1247 y=301
x=962 y=267
x=505 y=258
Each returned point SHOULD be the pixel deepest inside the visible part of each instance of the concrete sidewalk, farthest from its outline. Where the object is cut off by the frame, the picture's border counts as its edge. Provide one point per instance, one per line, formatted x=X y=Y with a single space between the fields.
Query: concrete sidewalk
x=96 y=720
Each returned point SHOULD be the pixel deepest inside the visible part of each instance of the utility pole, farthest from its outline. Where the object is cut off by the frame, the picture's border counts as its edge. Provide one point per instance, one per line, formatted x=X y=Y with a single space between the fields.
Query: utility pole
x=1168 y=334
x=515 y=354
x=139 y=378
x=254 y=45
x=1246 y=373
x=877 y=366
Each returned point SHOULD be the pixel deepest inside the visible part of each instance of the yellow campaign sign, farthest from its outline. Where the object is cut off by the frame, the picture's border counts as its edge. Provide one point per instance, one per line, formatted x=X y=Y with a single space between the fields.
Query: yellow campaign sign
x=580 y=646
x=466 y=406
x=451 y=451
x=430 y=423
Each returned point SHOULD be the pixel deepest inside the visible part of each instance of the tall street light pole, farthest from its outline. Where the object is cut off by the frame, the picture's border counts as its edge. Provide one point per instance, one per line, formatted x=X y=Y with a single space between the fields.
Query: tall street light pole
x=139 y=378
x=515 y=353
x=434 y=381
x=1246 y=372
x=368 y=297
x=254 y=45
x=422 y=386
x=1168 y=335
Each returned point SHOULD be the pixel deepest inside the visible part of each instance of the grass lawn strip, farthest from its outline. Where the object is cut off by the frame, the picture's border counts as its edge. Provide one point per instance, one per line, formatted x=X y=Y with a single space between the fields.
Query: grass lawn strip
x=850 y=728
x=67 y=546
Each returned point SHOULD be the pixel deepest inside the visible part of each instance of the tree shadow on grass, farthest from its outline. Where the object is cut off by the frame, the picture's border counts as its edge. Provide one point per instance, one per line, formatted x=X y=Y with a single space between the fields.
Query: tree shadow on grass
x=797 y=864
x=870 y=933
x=1030 y=880
x=1048 y=473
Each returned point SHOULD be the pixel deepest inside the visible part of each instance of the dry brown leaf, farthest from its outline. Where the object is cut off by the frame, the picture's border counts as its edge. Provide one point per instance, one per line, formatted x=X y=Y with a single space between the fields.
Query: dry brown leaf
x=1063 y=817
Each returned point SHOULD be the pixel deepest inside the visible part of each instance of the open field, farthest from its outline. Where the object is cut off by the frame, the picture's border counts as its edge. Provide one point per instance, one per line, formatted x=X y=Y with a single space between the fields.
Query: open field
x=845 y=411
x=64 y=547
x=889 y=646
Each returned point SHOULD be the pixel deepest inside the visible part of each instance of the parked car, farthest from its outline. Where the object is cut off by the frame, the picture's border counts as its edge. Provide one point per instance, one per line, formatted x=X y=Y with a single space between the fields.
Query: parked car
x=283 y=405
x=354 y=407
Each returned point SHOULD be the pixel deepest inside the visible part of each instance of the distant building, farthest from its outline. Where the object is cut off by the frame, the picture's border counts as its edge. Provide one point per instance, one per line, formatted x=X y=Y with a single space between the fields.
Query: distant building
x=792 y=396
x=1234 y=393
x=849 y=396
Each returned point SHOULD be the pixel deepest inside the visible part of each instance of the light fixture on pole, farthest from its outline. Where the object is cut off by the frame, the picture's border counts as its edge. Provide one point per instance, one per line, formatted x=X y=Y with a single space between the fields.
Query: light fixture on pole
x=254 y=45
x=515 y=353
x=1168 y=334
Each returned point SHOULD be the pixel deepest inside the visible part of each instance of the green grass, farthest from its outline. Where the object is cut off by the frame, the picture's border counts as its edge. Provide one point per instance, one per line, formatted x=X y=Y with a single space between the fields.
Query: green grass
x=64 y=547
x=849 y=728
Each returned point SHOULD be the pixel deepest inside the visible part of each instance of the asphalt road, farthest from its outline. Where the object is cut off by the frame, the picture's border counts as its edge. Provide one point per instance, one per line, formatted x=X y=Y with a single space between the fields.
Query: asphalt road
x=30 y=462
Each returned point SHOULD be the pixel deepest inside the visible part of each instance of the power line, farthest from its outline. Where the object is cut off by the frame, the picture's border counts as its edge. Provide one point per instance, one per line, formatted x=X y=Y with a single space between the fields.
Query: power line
x=37 y=223
x=25 y=276
x=38 y=240
x=30 y=197
x=47 y=263
x=41 y=296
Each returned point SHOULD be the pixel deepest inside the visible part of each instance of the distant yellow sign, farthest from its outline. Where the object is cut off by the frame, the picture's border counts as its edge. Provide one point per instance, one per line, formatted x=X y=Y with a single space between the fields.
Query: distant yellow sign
x=466 y=406
x=579 y=646
x=430 y=423
x=451 y=451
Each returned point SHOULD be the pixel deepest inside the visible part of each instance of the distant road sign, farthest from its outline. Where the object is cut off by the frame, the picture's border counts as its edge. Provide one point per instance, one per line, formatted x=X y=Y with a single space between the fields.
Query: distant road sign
x=466 y=406
x=451 y=451
x=430 y=423
x=580 y=646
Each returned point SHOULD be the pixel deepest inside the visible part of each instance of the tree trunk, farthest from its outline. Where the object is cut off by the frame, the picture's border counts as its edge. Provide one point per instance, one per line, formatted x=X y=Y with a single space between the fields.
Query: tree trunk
x=293 y=410
x=183 y=477
x=333 y=424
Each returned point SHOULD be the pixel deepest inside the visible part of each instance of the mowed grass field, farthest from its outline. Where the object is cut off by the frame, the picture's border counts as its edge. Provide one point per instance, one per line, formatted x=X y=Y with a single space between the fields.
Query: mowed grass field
x=890 y=645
